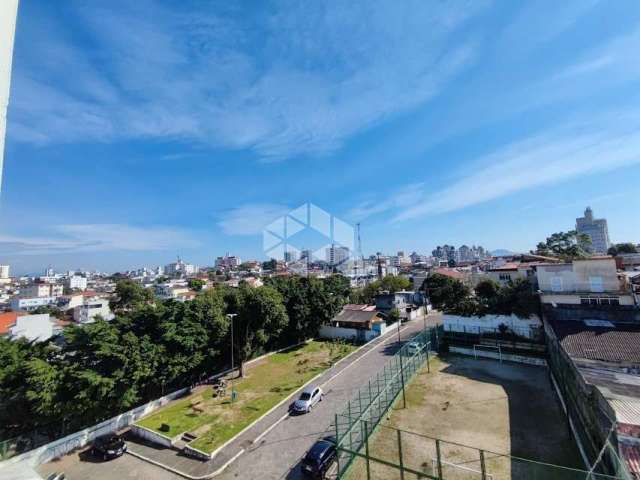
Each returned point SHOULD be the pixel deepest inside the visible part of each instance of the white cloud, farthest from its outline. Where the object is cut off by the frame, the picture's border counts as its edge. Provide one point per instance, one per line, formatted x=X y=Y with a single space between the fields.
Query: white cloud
x=535 y=162
x=405 y=197
x=250 y=219
x=297 y=81
x=98 y=238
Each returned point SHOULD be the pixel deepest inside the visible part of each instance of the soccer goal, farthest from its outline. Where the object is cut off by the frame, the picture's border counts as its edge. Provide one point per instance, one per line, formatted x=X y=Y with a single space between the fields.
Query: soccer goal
x=434 y=466
x=479 y=348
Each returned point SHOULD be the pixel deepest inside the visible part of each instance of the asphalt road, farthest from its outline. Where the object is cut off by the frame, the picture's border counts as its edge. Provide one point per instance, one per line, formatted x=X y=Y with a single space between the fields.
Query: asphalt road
x=277 y=454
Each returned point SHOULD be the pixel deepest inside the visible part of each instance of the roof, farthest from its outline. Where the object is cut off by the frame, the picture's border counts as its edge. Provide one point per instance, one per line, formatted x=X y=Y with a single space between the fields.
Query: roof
x=609 y=344
x=7 y=320
x=507 y=266
x=358 y=306
x=356 y=316
x=450 y=273
x=631 y=453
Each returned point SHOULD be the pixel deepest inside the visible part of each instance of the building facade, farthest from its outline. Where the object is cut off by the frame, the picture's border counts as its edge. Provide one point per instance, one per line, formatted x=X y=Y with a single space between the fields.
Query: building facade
x=596 y=229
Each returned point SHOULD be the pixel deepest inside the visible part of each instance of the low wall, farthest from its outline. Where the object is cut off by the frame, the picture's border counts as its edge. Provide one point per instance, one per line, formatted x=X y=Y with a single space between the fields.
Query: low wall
x=153 y=437
x=64 y=445
x=527 y=327
x=199 y=454
x=509 y=357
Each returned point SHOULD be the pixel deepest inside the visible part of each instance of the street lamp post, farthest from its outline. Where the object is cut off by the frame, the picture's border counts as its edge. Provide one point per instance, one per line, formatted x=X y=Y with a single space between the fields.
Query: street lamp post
x=231 y=316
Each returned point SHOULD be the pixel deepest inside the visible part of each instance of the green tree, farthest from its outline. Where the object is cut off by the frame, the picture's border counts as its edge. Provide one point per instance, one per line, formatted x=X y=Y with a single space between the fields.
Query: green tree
x=446 y=293
x=393 y=316
x=620 y=248
x=196 y=284
x=261 y=317
x=129 y=294
x=566 y=245
x=270 y=265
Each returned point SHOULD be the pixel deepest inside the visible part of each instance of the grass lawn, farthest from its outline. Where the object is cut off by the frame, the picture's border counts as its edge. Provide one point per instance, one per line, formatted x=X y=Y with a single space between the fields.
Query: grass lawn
x=266 y=383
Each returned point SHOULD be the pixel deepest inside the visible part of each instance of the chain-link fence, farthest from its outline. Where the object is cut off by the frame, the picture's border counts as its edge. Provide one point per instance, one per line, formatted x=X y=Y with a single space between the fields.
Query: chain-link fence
x=365 y=410
x=395 y=454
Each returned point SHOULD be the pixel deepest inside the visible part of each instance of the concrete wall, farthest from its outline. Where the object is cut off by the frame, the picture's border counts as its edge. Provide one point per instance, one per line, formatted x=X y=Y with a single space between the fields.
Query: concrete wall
x=82 y=438
x=494 y=354
x=329 y=331
x=152 y=436
x=528 y=327
x=574 y=299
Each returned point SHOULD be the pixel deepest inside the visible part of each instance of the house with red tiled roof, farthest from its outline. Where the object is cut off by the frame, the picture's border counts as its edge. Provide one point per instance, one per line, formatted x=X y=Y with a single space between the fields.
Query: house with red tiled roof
x=7 y=320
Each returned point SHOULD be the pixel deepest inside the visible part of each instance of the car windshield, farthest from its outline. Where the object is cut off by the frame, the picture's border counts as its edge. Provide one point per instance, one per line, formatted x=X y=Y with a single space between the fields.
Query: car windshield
x=305 y=396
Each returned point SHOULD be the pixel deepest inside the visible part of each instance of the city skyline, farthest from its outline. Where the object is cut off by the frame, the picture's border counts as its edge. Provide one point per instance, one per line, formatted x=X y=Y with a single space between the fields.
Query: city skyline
x=479 y=129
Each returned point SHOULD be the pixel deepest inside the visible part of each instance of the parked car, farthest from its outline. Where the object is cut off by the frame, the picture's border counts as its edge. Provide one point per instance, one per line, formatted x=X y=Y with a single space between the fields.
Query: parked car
x=319 y=458
x=412 y=348
x=308 y=398
x=108 y=446
x=57 y=476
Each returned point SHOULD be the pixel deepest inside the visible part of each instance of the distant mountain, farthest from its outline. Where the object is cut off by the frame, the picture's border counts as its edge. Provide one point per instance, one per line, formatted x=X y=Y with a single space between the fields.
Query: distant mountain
x=501 y=252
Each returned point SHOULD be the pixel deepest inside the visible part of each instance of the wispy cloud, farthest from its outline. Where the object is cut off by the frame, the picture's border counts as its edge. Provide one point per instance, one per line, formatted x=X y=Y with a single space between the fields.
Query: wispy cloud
x=250 y=219
x=220 y=78
x=405 y=197
x=535 y=162
x=97 y=238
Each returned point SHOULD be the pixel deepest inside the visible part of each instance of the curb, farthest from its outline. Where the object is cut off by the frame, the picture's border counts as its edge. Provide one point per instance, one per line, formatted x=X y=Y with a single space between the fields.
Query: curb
x=186 y=475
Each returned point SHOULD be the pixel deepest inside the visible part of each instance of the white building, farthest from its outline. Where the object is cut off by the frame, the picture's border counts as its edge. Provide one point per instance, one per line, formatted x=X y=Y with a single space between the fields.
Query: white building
x=91 y=308
x=167 y=291
x=337 y=255
x=4 y=272
x=27 y=304
x=76 y=282
x=596 y=229
x=228 y=261
x=180 y=268
x=34 y=327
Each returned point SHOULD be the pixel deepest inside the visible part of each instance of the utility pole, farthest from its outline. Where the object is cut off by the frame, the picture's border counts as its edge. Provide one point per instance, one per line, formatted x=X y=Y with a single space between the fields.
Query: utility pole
x=231 y=316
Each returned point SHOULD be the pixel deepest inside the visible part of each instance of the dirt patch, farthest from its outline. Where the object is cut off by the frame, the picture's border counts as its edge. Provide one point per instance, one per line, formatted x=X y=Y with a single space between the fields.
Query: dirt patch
x=500 y=408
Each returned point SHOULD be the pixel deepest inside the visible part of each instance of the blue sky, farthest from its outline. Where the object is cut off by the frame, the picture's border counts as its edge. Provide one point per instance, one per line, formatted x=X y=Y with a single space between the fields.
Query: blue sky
x=138 y=131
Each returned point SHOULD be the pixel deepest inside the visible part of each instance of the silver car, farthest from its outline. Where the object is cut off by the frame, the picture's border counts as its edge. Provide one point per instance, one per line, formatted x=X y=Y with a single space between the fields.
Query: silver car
x=308 y=398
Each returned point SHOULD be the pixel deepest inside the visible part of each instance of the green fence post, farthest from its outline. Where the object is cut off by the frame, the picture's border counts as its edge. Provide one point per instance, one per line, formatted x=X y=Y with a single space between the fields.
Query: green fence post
x=400 y=459
x=338 y=447
x=439 y=459
x=366 y=447
x=428 y=366
x=350 y=429
x=482 y=467
x=404 y=397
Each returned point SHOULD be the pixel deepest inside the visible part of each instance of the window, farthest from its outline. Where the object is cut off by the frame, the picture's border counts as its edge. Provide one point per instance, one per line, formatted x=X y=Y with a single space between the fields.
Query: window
x=504 y=276
x=596 y=284
x=556 y=284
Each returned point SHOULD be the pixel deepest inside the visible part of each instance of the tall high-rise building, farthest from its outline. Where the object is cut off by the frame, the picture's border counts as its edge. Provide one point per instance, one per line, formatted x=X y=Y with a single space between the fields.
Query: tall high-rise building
x=337 y=255
x=4 y=272
x=597 y=230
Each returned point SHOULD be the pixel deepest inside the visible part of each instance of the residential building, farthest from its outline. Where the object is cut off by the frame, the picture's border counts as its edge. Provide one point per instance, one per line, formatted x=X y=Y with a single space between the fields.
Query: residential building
x=464 y=254
x=76 y=282
x=290 y=256
x=590 y=288
x=228 y=262
x=4 y=272
x=34 y=327
x=510 y=272
x=41 y=290
x=91 y=308
x=28 y=304
x=355 y=322
x=168 y=291
x=408 y=303
x=337 y=255
x=180 y=268
x=596 y=229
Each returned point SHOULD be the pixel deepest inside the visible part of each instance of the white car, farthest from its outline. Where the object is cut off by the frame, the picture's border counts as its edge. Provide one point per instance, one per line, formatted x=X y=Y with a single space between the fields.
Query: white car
x=308 y=398
x=412 y=348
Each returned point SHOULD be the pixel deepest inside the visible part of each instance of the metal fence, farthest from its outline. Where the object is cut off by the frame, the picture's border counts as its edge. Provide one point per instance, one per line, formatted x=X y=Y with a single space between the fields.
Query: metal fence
x=367 y=449
x=394 y=454
x=367 y=408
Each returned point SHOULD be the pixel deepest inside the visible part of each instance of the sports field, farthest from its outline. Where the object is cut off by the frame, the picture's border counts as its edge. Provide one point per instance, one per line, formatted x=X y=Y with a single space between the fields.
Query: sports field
x=471 y=405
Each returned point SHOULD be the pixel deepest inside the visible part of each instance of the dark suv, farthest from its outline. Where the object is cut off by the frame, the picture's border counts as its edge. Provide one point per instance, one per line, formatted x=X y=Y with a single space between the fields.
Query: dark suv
x=108 y=446
x=319 y=458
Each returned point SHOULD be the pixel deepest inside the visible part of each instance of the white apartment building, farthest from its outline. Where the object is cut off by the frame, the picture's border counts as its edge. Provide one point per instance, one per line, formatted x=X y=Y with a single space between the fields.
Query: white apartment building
x=41 y=290
x=337 y=255
x=167 y=291
x=91 y=308
x=4 y=272
x=596 y=229
x=228 y=261
x=591 y=281
x=76 y=282
x=179 y=267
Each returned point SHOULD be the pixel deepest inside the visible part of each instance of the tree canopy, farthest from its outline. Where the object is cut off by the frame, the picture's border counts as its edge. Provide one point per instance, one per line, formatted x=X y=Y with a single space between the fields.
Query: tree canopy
x=620 y=248
x=566 y=245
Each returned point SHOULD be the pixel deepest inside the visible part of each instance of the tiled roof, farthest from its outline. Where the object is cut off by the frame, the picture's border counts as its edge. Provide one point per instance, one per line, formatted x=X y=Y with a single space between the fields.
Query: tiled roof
x=595 y=343
x=7 y=320
x=631 y=453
